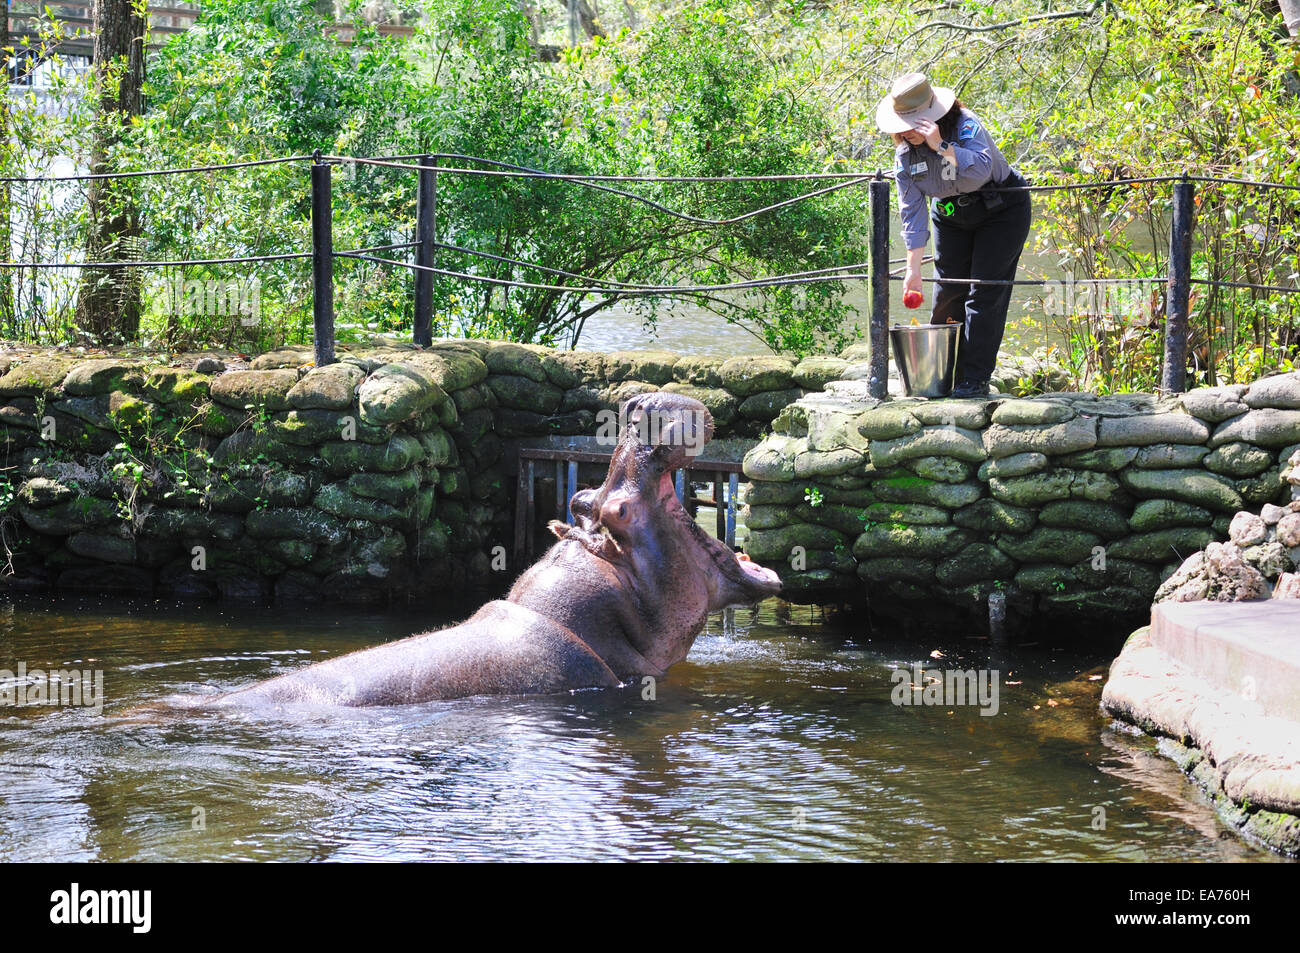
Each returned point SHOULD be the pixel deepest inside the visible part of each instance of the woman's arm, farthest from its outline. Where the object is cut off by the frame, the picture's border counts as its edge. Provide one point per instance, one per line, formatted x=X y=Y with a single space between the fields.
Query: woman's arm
x=916 y=222
x=970 y=155
x=912 y=208
x=973 y=153
x=912 y=279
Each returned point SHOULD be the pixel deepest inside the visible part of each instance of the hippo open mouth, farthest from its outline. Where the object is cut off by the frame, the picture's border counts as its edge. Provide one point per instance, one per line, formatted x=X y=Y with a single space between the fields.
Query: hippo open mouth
x=637 y=505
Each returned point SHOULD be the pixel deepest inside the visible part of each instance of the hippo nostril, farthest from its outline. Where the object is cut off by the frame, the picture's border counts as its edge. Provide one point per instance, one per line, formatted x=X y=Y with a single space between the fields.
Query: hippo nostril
x=622 y=511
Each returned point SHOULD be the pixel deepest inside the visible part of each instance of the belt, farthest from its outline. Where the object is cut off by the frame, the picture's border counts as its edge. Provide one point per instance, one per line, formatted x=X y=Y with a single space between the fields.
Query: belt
x=984 y=199
x=947 y=207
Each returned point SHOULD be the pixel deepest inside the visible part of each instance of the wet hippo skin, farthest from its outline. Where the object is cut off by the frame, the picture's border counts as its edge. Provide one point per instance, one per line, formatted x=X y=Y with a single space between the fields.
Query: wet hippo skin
x=622 y=593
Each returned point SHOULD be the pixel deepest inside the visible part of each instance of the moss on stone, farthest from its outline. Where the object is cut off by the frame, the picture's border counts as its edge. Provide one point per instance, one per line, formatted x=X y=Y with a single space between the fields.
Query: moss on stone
x=746 y=376
x=349 y=456
x=1208 y=490
x=40 y=374
x=906 y=540
x=1102 y=518
x=260 y=390
x=897 y=569
x=1049 y=544
x=974 y=562
x=993 y=516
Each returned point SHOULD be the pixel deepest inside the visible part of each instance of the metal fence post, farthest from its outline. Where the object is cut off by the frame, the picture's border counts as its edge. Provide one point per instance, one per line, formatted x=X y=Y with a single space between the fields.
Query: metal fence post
x=426 y=219
x=1173 y=377
x=322 y=261
x=878 y=385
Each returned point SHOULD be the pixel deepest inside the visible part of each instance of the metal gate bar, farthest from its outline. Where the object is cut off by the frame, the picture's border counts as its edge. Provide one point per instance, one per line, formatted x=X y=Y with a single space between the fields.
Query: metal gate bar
x=726 y=487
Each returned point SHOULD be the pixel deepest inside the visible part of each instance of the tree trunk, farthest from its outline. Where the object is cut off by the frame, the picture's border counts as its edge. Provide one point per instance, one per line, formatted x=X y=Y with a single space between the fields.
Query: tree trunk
x=108 y=304
x=1291 y=16
x=7 y=317
x=586 y=16
x=590 y=20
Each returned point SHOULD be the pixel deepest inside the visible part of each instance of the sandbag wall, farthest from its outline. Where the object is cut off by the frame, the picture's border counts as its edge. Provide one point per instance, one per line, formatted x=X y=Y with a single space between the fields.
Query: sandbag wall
x=383 y=473
x=1068 y=504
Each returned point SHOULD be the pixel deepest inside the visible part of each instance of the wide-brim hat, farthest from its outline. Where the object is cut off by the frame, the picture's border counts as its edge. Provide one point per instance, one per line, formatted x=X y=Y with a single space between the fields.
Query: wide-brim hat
x=910 y=100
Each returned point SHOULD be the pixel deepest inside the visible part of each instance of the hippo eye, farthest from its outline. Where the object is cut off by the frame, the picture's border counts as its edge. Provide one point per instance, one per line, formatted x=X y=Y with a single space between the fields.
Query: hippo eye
x=622 y=511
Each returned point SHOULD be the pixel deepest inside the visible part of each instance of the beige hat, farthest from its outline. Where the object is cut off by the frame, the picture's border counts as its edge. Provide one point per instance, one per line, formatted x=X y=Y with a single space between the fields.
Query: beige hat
x=911 y=99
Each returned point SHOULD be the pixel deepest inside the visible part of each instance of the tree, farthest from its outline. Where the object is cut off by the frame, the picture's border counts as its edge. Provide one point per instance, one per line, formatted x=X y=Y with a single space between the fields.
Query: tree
x=6 y=235
x=1291 y=16
x=108 y=305
x=693 y=96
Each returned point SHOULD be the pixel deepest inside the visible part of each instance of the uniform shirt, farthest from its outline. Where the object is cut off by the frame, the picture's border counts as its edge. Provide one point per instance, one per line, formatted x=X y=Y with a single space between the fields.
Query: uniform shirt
x=918 y=170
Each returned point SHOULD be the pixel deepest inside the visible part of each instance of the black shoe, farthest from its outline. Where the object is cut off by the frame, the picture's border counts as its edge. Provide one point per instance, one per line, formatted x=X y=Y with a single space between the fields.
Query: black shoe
x=970 y=389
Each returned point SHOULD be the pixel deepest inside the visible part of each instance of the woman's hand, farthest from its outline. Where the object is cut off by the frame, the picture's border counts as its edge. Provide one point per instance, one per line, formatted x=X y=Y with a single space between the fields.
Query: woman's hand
x=930 y=131
x=912 y=280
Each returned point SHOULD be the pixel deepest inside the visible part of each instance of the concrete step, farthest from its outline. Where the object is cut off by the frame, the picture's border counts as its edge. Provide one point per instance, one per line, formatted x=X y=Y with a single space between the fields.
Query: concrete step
x=1251 y=649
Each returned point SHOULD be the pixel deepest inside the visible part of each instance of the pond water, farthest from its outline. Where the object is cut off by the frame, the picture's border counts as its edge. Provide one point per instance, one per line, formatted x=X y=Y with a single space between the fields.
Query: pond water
x=777 y=740
x=689 y=329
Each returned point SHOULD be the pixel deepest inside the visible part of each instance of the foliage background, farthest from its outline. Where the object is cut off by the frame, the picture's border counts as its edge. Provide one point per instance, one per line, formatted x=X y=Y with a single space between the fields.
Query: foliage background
x=1071 y=91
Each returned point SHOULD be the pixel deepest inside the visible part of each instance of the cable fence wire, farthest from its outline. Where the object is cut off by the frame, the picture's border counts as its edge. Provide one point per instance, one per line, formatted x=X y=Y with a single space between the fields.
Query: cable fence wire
x=594 y=182
x=92 y=176
x=483 y=168
x=242 y=260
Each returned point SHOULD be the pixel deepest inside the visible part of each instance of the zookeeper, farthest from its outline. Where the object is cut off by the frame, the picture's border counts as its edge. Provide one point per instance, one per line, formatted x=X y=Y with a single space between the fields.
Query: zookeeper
x=944 y=153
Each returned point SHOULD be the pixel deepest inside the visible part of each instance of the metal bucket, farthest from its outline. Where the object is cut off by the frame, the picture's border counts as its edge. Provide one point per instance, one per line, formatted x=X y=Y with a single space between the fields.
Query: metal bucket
x=926 y=355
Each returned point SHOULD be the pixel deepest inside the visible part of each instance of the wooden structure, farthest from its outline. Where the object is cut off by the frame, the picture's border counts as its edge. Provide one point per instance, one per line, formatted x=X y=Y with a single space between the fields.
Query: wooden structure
x=78 y=18
x=165 y=19
x=725 y=478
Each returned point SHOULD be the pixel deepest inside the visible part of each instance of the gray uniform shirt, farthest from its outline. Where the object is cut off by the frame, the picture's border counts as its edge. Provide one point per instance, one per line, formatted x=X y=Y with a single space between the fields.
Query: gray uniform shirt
x=919 y=172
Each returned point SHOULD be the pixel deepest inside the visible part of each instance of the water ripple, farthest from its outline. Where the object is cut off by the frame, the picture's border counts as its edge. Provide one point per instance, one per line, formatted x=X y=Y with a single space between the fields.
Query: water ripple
x=776 y=741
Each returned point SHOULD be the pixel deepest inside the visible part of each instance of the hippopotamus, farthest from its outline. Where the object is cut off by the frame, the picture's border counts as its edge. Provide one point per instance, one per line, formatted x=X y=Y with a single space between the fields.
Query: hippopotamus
x=620 y=595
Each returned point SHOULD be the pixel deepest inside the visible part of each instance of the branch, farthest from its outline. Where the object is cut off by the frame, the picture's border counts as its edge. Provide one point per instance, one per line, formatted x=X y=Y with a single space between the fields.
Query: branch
x=1006 y=24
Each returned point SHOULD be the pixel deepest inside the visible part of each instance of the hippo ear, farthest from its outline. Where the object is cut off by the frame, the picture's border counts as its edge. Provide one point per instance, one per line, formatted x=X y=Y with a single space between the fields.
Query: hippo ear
x=582 y=506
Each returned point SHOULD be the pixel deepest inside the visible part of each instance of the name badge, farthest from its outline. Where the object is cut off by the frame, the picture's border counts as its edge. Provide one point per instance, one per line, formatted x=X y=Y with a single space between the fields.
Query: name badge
x=919 y=167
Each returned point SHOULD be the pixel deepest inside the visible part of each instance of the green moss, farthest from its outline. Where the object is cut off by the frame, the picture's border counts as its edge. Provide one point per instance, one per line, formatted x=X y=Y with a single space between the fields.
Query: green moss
x=902 y=482
x=129 y=412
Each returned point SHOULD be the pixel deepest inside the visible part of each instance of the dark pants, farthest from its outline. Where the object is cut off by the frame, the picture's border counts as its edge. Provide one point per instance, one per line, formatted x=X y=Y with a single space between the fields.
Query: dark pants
x=982 y=244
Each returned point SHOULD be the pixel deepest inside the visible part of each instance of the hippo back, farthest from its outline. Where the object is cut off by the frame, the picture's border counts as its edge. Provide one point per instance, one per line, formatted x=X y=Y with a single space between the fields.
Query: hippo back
x=503 y=649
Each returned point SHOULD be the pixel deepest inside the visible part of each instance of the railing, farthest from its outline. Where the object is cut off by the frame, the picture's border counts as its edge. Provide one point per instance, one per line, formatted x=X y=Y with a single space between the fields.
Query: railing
x=1178 y=281
x=876 y=270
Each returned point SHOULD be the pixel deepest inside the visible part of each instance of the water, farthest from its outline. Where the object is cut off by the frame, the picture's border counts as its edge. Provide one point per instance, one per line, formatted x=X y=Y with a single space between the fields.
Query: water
x=689 y=329
x=778 y=741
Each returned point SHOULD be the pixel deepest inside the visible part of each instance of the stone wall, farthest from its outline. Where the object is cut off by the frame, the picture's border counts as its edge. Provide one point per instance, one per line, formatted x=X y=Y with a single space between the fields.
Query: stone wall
x=1068 y=504
x=392 y=472
x=387 y=472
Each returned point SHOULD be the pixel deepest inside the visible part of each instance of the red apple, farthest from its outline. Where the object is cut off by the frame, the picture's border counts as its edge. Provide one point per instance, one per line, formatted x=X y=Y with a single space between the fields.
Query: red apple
x=912 y=299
